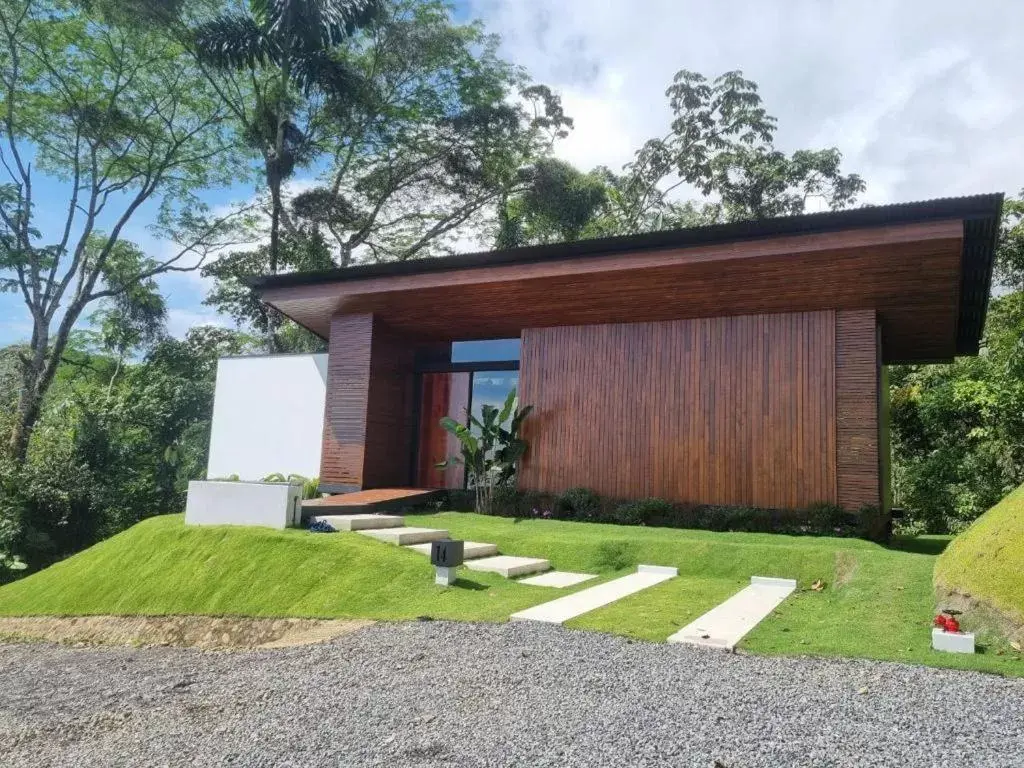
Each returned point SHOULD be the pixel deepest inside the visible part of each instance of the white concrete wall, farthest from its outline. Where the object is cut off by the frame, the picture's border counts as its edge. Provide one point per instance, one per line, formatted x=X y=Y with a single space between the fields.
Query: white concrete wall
x=268 y=416
x=274 y=505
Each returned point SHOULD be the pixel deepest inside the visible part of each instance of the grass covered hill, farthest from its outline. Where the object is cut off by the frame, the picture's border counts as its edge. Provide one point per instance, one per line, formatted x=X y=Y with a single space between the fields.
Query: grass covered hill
x=877 y=602
x=982 y=570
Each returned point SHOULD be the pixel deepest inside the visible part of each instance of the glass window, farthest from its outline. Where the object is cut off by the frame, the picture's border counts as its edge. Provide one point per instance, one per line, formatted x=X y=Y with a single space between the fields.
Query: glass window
x=485 y=351
x=492 y=387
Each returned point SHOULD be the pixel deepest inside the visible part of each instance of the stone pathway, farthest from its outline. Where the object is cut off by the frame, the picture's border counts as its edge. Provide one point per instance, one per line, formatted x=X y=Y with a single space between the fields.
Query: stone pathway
x=569 y=607
x=726 y=624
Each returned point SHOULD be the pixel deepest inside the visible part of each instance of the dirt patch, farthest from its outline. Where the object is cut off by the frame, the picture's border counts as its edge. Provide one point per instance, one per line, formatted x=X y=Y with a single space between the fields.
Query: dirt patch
x=205 y=632
x=980 y=616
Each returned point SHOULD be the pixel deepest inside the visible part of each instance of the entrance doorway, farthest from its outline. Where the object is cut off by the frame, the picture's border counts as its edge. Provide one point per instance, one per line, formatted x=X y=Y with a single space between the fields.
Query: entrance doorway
x=479 y=373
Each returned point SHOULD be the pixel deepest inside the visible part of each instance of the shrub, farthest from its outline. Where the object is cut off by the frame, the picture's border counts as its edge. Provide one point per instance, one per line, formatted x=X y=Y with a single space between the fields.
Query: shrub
x=645 y=512
x=873 y=524
x=826 y=518
x=580 y=504
x=461 y=500
x=615 y=555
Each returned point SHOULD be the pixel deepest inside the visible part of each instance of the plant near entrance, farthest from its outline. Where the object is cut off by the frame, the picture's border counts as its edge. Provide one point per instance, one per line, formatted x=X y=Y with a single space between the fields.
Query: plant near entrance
x=490 y=448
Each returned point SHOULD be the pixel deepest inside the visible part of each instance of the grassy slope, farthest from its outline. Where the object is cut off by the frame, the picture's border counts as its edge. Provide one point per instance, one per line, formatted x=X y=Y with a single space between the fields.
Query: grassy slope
x=987 y=560
x=880 y=608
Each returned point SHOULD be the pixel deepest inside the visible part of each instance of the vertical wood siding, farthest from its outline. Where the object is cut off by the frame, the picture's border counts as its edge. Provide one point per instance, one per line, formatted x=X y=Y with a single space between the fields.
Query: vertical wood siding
x=441 y=394
x=857 y=382
x=732 y=411
x=348 y=382
x=368 y=407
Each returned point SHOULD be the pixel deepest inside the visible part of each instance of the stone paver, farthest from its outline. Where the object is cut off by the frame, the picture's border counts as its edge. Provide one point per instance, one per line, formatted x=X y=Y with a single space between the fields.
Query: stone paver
x=405 y=535
x=726 y=624
x=559 y=579
x=470 y=549
x=578 y=603
x=509 y=566
x=360 y=522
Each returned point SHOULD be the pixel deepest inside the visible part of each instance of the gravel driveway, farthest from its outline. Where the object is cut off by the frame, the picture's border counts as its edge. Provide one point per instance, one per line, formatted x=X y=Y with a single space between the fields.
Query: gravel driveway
x=441 y=694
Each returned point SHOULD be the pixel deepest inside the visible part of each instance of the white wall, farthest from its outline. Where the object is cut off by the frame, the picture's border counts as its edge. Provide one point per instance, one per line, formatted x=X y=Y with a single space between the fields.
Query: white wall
x=268 y=416
x=274 y=505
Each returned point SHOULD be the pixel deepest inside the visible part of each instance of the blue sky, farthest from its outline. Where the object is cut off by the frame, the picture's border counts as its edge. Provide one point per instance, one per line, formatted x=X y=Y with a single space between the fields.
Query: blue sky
x=923 y=97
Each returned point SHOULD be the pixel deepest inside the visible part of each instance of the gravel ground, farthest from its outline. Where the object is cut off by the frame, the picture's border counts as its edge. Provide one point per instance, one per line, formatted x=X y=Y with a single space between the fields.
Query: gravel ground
x=441 y=694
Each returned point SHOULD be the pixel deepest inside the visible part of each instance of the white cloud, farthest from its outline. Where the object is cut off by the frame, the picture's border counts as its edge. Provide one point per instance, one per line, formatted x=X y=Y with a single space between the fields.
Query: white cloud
x=180 y=320
x=923 y=97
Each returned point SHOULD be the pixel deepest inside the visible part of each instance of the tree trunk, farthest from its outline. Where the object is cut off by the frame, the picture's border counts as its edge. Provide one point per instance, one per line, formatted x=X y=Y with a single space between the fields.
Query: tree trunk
x=30 y=402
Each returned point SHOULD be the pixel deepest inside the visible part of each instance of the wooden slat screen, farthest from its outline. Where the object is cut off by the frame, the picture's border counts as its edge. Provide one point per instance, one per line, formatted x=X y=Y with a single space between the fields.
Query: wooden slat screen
x=731 y=410
x=857 y=381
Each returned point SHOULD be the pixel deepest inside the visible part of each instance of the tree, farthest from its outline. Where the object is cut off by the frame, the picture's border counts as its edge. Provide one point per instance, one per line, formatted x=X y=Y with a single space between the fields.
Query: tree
x=438 y=147
x=304 y=251
x=116 y=118
x=117 y=441
x=284 y=49
x=558 y=204
x=442 y=133
x=721 y=143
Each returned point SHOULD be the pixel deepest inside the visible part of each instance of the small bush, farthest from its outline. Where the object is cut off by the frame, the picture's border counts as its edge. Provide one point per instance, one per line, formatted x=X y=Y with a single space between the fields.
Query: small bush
x=580 y=504
x=461 y=500
x=615 y=555
x=645 y=512
x=825 y=518
x=873 y=524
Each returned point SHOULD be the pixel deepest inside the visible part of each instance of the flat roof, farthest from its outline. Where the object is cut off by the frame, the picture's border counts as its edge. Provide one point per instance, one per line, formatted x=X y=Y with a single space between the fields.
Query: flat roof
x=980 y=215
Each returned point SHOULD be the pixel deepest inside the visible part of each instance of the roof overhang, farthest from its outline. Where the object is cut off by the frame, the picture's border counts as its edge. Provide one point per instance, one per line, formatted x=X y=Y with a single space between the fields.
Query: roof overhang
x=926 y=268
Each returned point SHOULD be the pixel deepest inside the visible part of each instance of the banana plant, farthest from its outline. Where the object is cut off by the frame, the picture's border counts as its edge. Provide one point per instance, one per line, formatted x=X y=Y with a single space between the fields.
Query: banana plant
x=490 y=447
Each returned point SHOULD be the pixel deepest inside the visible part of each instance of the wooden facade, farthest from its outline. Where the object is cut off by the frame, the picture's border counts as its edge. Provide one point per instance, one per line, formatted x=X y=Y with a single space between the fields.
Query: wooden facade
x=368 y=414
x=735 y=365
x=731 y=411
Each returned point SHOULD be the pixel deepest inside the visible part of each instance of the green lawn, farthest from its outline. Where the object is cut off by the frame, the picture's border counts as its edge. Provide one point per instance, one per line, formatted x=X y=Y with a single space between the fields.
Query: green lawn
x=877 y=603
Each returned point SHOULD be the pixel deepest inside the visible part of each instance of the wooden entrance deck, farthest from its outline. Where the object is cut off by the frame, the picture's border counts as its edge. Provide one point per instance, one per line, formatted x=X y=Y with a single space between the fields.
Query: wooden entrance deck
x=369 y=501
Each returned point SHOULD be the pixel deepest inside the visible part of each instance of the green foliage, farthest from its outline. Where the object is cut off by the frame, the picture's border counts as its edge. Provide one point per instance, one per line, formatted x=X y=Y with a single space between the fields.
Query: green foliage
x=310 y=485
x=578 y=504
x=117 y=441
x=490 y=447
x=615 y=555
x=304 y=251
x=958 y=429
x=558 y=205
x=645 y=512
x=984 y=564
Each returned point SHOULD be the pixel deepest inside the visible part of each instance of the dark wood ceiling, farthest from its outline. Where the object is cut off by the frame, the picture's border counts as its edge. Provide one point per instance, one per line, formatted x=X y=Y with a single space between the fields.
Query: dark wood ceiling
x=909 y=273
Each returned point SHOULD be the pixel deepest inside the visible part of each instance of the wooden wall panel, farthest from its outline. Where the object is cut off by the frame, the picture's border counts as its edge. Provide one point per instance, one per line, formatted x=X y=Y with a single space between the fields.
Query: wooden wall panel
x=732 y=410
x=348 y=384
x=389 y=411
x=441 y=394
x=857 y=428
x=368 y=408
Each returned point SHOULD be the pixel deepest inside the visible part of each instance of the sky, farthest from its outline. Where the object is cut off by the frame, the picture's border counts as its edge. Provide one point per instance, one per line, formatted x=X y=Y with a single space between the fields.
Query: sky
x=924 y=99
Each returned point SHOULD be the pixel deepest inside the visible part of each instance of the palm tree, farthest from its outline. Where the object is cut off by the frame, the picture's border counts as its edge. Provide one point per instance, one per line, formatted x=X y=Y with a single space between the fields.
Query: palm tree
x=293 y=39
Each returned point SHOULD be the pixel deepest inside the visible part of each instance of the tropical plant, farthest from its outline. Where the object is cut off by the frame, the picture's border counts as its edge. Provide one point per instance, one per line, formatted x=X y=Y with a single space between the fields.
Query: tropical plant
x=490 y=447
x=310 y=485
x=286 y=46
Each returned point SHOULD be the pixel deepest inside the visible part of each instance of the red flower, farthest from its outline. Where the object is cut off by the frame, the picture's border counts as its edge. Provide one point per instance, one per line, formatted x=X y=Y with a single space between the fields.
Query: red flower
x=946 y=622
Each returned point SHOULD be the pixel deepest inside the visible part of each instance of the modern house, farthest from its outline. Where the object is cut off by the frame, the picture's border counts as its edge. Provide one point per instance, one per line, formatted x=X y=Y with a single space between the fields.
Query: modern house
x=739 y=364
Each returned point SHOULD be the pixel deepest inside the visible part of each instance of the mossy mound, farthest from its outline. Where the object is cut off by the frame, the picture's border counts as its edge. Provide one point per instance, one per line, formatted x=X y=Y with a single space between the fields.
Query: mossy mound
x=982 y=570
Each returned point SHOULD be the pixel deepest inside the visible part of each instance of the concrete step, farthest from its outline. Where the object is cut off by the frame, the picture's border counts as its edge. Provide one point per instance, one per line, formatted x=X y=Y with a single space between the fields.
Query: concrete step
x=470 y=549
x=559 y=579
x=403 y=536
x=584 y=601
x=509 y=566
x=726 y=624
x=360 y=522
